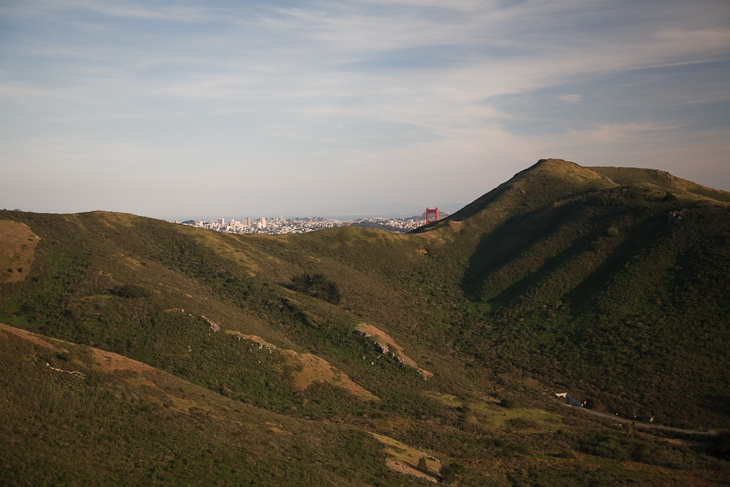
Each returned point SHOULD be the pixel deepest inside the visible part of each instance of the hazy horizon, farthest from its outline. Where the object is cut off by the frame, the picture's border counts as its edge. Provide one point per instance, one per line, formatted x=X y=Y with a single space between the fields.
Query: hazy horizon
x=353 y=212
x=289 y=107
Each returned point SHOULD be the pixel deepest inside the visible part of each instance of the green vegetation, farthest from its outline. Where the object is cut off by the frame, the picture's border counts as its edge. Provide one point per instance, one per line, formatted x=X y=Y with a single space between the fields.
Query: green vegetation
x=422 y=465
x=507 y=402
x=611 y=284
x=131 y=291
x=317 y=285
x=452 y=471
x=143 y=427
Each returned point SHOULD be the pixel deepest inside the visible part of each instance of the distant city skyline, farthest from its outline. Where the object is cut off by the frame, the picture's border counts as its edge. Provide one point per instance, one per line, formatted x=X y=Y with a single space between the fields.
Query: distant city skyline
x=277 y=226
x=395 y=210
x=292 y=107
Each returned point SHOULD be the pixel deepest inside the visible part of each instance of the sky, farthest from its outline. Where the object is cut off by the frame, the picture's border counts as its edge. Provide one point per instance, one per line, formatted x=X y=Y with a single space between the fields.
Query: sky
x=198 y=109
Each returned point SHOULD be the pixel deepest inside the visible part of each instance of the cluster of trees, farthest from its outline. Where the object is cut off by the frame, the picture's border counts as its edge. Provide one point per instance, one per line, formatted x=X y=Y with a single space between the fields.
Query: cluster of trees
x=318 y=286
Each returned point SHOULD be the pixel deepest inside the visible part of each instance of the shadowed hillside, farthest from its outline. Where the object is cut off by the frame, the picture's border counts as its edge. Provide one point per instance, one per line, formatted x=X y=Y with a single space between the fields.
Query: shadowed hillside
x=448 y=342
x=620 y=288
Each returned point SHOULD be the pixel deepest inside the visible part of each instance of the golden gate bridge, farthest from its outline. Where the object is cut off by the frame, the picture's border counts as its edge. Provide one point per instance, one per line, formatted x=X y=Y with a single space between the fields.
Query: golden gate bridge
x=430 y=216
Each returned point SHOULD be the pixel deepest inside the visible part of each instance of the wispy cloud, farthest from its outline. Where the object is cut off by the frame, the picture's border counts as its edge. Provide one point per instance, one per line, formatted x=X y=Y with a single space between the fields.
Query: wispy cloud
x=619 y=132
x=571 y=99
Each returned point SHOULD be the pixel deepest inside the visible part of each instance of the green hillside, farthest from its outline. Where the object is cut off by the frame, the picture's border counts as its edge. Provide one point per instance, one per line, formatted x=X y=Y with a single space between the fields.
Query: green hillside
x=447 y=343
x=622 y=290
x=86 y=417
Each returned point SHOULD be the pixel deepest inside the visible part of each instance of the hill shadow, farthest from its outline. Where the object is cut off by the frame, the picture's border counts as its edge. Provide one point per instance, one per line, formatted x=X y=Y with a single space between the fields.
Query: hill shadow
x=515 y=237
x=640 y=237
x=512 y=238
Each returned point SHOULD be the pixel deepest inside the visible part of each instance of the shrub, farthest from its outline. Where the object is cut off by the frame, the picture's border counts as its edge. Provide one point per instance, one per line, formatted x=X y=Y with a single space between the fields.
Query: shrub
x=318 y=286
x=606 y=446
x=720 y=447
x=508 y=403
x=422 y=465
x=567 y=454
x=450 y=471
x=131 y=291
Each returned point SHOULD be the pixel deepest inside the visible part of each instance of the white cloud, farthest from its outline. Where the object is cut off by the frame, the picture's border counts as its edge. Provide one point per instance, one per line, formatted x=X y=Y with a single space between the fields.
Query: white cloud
x=123 y=9
x=571 y=99
x=618 y=132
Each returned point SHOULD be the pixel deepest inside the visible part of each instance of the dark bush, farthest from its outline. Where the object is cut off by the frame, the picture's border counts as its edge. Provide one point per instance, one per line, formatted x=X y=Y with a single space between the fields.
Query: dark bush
x=318 y=286
x=131 y=291
x=607 y=446
x=721 y=447
x=450 y=471
x=508 y=403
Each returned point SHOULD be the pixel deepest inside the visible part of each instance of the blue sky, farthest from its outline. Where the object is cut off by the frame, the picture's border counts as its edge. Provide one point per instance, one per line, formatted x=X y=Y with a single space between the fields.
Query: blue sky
x=197 y=109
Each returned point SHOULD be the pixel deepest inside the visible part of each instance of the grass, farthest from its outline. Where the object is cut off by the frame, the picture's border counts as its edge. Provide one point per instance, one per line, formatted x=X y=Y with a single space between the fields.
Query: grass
x=490 y=416
x=110 y=428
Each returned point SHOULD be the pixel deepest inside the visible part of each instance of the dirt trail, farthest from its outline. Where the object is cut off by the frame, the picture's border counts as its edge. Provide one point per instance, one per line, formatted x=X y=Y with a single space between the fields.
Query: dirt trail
x=639 y=424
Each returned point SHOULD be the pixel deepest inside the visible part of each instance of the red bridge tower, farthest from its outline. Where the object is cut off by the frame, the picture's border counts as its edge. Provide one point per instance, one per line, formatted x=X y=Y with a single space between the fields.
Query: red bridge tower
x=432 y=215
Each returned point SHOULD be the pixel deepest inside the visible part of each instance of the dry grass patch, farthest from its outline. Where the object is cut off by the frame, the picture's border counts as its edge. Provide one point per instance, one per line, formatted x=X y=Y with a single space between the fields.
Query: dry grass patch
x=277 y=428
x=386 y=344
x=316 y=369
x=17 y=250
x=110 y=219
x=405 y=458
x=253 y=338
x=445 y=399
x=222 y=244
x=111 y=361
x=454 y=225
x=490 y=414
x=31 y=337
x=311 y=369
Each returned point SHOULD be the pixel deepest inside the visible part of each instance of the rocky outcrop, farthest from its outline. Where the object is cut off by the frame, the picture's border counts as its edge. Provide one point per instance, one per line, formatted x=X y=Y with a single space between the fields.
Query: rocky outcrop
x=71 y=372
x=674 y=217
x=213 y=325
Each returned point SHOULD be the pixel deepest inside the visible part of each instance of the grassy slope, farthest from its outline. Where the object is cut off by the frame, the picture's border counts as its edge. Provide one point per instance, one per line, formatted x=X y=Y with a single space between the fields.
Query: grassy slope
x=628 y=176
x=129 y=424
x=530 y=278
x=124 y=423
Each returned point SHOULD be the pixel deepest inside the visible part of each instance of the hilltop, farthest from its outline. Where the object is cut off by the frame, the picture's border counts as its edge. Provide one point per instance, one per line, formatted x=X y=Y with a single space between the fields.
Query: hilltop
x=349 y=354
